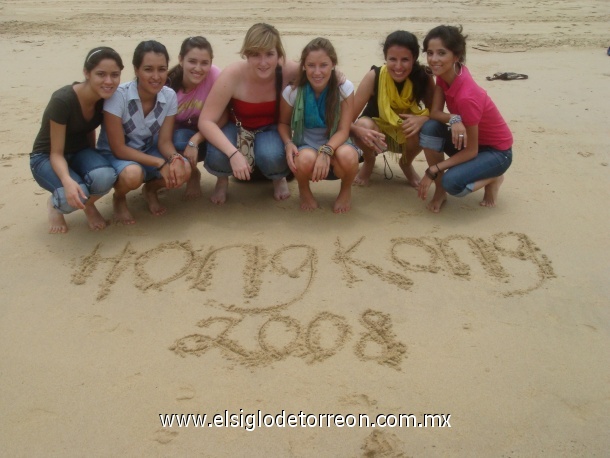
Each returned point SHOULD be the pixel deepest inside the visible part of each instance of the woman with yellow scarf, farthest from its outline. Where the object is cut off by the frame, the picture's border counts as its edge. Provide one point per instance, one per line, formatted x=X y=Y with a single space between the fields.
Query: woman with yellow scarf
x=395 y=98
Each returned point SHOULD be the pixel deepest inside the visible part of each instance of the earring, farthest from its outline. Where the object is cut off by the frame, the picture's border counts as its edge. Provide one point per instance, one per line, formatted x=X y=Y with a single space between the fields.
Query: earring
x=428 y=71
x=460 y=68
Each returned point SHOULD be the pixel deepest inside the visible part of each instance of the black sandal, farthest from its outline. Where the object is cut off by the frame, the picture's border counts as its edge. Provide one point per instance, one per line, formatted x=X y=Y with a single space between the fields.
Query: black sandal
x=507 y=76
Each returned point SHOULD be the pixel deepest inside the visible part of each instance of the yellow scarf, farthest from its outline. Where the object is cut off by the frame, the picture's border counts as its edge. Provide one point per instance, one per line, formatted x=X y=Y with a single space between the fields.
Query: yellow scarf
x=391 y=103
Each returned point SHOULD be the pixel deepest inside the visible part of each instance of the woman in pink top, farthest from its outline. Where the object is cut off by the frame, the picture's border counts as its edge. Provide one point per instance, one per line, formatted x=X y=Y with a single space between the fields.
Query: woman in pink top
x=252 y=89
x=477 y=140
x=192 y=79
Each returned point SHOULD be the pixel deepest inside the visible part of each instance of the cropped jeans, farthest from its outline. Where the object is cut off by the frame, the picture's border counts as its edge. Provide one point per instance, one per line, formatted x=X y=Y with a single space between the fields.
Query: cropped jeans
x=94 y=174
x=460 y=179
x=269 y=155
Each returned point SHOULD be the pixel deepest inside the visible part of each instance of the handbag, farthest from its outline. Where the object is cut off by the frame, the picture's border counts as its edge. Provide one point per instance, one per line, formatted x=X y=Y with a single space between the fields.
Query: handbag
x=245 y=141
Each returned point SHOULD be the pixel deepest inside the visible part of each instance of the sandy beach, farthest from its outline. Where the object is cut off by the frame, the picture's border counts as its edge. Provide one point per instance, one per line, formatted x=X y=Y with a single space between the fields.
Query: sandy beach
x=498 y=317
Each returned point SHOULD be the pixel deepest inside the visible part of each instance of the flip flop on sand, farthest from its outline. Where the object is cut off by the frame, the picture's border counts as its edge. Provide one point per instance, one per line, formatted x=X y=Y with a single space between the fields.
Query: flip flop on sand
x=506 y=76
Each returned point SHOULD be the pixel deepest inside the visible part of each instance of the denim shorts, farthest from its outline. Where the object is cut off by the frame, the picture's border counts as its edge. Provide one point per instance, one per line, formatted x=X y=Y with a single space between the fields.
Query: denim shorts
x=87 y=167
x=150 y=171
x=460 y=179
x=331 y=174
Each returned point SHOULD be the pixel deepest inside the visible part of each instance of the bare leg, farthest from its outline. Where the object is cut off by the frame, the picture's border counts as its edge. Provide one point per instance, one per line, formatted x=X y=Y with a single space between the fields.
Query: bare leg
x=492 y=187
x=219 y=196
x=280 y=189
x=57 y=222
x=440 y=195
x=406 y=163
x=129 y=179
x=308 y=201
x=364 y=175
x=149 y=191
x=193 y=185
x=94 y=218
x=438 y=199
x=345 y=165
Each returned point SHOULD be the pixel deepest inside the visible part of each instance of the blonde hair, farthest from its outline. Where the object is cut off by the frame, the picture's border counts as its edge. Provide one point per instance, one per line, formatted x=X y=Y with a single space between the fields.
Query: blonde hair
x=262 y=37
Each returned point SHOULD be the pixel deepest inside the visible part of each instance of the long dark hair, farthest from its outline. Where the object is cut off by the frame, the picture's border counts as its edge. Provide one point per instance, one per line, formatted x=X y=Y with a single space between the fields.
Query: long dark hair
x=452 y=39
x=333 y=94
x=176 y=73
x=418 y=75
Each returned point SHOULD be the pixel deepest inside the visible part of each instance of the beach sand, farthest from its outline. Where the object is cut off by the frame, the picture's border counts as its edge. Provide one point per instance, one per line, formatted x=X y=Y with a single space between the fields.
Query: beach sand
x=497 y=317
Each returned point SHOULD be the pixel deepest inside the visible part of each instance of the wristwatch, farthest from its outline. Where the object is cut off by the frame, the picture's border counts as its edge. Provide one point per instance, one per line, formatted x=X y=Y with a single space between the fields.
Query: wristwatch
x=191 y=144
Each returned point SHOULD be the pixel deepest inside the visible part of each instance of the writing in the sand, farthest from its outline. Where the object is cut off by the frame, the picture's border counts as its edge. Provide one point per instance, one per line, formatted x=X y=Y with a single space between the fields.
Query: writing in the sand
x=280 y=336
x=263 y=281
x=254 y=287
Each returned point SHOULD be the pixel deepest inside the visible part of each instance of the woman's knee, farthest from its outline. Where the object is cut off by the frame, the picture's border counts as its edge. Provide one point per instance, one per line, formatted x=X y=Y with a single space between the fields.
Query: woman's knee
x=101 y=180
x=346 y=157
x=131 y=176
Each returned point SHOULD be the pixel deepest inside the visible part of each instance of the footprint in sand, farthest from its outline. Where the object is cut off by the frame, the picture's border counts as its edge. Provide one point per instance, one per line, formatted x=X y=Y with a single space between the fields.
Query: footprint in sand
x=185 y=393
x=380 y=444
x=164 y=436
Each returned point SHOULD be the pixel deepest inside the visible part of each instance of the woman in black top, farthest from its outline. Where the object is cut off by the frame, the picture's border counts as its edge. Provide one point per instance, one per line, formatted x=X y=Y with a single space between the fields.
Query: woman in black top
x=64 y=160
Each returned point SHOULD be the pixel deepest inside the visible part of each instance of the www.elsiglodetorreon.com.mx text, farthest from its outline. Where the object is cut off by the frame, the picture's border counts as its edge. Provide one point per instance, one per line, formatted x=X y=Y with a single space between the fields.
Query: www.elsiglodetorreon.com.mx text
x=252 y=421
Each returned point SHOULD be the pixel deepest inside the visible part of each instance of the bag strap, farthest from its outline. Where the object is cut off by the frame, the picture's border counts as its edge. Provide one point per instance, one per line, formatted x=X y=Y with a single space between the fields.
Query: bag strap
x=278 y=91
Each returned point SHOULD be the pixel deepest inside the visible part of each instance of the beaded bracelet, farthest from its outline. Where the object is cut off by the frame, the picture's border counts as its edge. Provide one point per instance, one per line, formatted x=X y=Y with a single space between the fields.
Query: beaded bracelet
x=326 y=149
x=455 y=119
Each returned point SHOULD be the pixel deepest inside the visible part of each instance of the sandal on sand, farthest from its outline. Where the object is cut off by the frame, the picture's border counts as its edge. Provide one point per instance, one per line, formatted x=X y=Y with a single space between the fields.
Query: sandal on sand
x=506 y=76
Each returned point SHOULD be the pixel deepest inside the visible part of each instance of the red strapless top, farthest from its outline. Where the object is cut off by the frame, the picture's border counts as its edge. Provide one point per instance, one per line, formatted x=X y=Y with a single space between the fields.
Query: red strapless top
x=254 y=115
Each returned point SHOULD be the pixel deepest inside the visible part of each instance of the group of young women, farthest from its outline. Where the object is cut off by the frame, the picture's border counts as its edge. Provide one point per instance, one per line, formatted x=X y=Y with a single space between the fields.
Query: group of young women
x=269 y=114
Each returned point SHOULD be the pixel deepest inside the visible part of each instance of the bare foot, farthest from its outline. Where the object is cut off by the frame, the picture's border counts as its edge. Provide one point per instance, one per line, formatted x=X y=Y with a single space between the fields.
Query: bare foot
x=491 y=192
x=193 y=186
x=412 y=177
x=121 y=212
x=343 y=204
x=57 y=222
x=364 y=174
x=439 y=198
x=308 y=202
x=94 y=218
x=219 y=196
x=280 y=189
x=152 y=199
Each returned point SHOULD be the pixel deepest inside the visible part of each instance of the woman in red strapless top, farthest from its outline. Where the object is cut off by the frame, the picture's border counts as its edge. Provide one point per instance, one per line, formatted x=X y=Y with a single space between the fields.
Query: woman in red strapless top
x=250 y=91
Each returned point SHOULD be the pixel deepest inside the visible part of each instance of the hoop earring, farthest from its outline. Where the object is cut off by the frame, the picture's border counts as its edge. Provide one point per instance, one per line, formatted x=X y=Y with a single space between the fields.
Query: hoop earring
x=459 y=66
x=428 y=71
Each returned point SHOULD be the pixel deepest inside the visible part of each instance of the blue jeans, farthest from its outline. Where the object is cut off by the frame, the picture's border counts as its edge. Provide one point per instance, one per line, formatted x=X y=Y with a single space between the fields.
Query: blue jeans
x=459 y=180
x=181 y=139
x=88 y=168
x=269 y=155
